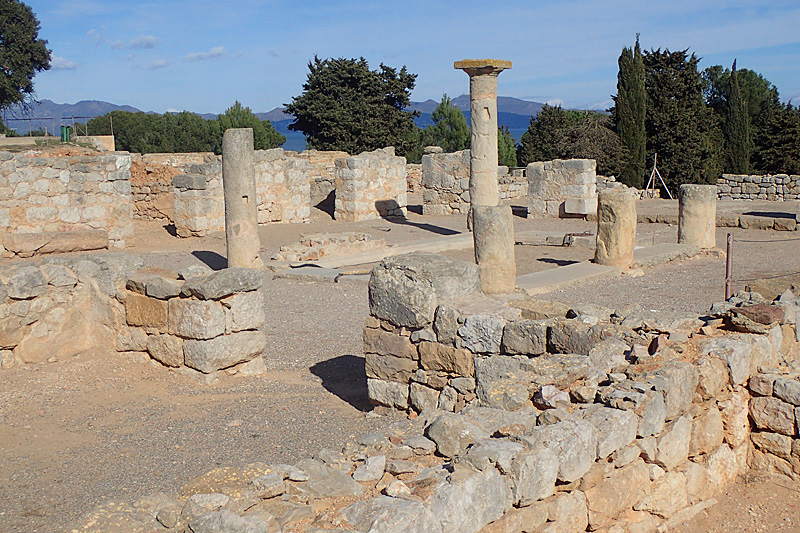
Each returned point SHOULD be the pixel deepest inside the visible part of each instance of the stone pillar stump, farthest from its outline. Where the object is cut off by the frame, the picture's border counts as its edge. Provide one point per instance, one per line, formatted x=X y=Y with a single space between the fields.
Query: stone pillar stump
x=697 y=215
x=616 y=228
x=241 y=204
x=494 y=248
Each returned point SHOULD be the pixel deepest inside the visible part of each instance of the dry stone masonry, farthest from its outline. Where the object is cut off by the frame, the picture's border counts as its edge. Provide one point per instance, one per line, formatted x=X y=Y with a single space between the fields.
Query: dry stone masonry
x=562 y=188
x=769 y=187
x=371 y=185
x=207 y=321
x=41 y=198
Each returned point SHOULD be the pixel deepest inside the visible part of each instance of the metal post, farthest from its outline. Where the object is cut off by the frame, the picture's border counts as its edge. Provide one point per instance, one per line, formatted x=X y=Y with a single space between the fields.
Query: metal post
x=728 y=267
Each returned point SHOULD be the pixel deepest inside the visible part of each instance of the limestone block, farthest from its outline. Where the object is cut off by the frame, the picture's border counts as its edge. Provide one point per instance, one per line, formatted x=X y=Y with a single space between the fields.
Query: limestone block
x=453 y=434
x=145 y=312
x=534 y=475
x=667 y=496
x=11 y=332
x=515 y=520
x=196 y=319
x=617 y=492
x=787 y=390
x=166 y=349
x=697 y=209
x=422 y=398
x=580 y=206
x=378 y=341
x=493 y=232
x=58 y=276
x=774 y=443
x=244 y=311
x=680 y=380
x=773 y=414
x=405 y=290
x=528 y=337
x=574 y=442
x=223 y=351
x=384 y=513
x=713 y=376
x=616 y=228
x=566 y=511
x=388 y=393
x=435 y=356
x=481 y=333
x=570 y=336
x=615 y=428
x=131 y=339
x=25 y=283
x=707 y=433
x=762 y=384
x=735 y=422
x=389 y=368
x=673 y=444
x=721 y=467
x=224 y=283
x=162 y=288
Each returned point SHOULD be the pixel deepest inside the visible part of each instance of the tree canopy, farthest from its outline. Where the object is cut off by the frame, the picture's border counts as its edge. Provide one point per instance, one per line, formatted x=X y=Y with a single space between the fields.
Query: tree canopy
x=629 y=114
x=346 y=106
x=22 y=52
x=449 y=129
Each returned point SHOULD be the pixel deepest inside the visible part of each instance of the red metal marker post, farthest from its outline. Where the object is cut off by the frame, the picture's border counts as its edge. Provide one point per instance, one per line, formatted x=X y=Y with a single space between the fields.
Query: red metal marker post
x=728 y=266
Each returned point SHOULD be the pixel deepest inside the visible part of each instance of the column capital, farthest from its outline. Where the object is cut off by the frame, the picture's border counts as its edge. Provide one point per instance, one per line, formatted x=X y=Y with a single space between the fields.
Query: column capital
x=482 y=67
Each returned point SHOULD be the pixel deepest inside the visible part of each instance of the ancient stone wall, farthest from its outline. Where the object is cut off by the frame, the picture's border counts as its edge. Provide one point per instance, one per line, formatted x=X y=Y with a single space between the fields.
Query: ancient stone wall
x=561 y=188
x=208 y=322
x=282 y=189
x=769 y=187
x=512 y=185
x=151 y=182
x=43 y=196
x=414 y=177
x=371 y=185
x=320 y=171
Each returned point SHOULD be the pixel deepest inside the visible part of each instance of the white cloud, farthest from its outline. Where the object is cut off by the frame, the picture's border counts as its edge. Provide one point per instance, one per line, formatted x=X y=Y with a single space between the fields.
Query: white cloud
x=117 y=45
x=217 y=51
x=157 y=64
x=172 y=110
x=61 y=63
x=144 y=41
x=554 y=102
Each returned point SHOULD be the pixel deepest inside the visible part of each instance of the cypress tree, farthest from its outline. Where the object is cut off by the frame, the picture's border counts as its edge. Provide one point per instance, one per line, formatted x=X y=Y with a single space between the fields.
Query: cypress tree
x=629 y=114
x=738 y=141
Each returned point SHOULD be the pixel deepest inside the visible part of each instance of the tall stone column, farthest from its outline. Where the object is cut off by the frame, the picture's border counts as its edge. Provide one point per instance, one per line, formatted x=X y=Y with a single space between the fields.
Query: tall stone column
x=483 y=127
x=241 y=209
x=697 y=215
x=492 y=224
x=616 y=228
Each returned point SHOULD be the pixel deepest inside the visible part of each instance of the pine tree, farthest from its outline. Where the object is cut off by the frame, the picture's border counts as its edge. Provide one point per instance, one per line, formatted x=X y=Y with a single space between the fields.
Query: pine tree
x=738 y=143
x=506 y=148
x=629 y=114
x=22 y=52
x=449 y=130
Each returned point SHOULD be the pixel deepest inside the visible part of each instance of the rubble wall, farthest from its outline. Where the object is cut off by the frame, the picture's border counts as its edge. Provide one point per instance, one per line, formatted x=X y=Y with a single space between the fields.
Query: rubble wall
x=371 y=185
x=562 y=188
x=48 y=195
x=321 y=172
x=766 y=187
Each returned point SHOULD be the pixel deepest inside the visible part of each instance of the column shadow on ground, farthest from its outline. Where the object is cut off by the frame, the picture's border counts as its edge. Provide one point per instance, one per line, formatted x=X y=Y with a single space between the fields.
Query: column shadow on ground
x=387 y=206
x=770 y=214
x=344 y=376
x=213 y=260
x=557 y=262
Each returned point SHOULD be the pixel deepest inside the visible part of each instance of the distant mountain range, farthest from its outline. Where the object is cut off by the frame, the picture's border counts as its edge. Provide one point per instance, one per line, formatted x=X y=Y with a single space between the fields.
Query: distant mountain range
x=512 y=112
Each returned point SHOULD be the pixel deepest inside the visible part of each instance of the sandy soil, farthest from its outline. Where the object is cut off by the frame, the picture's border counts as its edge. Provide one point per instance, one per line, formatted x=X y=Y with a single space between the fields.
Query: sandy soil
x=79 y=432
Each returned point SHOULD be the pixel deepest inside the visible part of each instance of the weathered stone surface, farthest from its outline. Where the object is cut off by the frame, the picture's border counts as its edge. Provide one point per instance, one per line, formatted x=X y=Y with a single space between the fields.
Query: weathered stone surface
x=760 y=313
x=787 y=390
x=549 y=397
x=615 y=428
x=569 y=337
x=707 y=433
x=680 y=383
x=653 y=414
x=713 y=377
x=721 y=467
x=529 y=518
x=500 y=382
x=481 y=333
x=389 y=368
x=166 y=349
x=391 y=515
x=673 y=444
x=371 y=469
x=224 y=351
x=618 y=491
x=244 y=311
x=697 y=212
x=735 y=421
x=534 y=475
x=241 y=202
x=327 y=482
x=55 y=242
x=773 y=443
x=453 y=434
x=616 y=228
x=422 y=397
x=383 y=342
x=493 y=453
x=388 y=393
x=224 y=283
x=406 y=289
x=57 y=276
x=435 y=356
x=445 y=324
x=527 y=337
x=228 y=522
x=697 y=488
x=25 y=283
x=608 y=354
x=567 y=512
x=773 y=414
x=465 y=500
x=146 y=312
x=574 y=442
x=493 y=421
x=493 y=232
x=196 y=319
x=667 y=495
x=131 y=339
x=163 y=288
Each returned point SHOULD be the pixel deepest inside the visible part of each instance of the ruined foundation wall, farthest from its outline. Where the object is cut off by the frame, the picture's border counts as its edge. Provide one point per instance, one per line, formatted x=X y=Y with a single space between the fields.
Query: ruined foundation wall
x=45 y=196
x=740 y=187
x=561 y=188
x=320 y=171
x=371 y=185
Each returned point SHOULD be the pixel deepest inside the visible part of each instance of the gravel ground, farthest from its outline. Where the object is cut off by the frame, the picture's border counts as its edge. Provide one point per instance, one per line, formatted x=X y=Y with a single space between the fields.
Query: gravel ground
x=83 y=431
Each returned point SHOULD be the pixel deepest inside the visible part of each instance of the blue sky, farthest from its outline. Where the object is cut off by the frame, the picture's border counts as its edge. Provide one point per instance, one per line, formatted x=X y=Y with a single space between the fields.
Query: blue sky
x=203 y=55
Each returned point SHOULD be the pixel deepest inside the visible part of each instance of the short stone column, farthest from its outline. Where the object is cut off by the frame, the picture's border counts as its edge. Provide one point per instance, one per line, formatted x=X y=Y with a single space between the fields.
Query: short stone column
x=616 y=228
x=494 y=248
x=697 y=215
x=241 y=210
x=483 y=127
